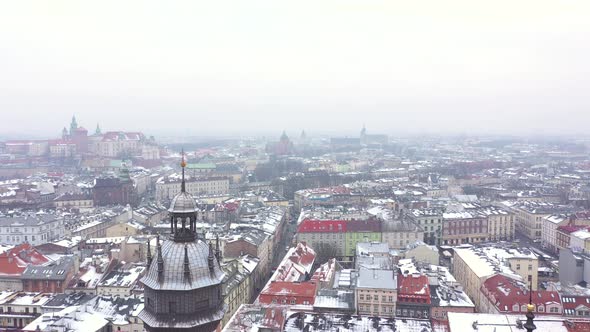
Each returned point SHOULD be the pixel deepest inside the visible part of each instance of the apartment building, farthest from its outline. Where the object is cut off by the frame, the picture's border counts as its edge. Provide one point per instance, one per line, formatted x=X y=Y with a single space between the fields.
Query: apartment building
x=376 y=292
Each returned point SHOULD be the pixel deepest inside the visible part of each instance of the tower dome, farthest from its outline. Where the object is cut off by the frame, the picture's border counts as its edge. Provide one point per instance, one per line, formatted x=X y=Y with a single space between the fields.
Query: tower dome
x=183 y=283
x=183 y=203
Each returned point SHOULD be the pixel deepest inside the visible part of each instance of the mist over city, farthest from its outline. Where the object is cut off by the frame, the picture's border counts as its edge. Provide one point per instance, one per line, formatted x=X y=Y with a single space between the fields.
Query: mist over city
x=266 y=166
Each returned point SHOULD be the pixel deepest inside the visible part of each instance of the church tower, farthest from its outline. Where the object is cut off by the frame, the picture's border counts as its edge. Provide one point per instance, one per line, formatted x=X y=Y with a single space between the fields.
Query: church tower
x=73 y=125
x=183 y=283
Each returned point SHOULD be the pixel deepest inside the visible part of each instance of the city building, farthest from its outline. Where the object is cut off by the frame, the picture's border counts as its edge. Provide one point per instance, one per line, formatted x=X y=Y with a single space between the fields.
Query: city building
x=472 y=266
x=413 y=296
x=111 y=190
x=18 y=309
x=503 y=295
x=549 y=227
x=51 y=277
x=35 y=229
x=167 y=188
x=376 y=292
x=431 y=221
x=291 y=284
x=464 y=227
x=13 y=263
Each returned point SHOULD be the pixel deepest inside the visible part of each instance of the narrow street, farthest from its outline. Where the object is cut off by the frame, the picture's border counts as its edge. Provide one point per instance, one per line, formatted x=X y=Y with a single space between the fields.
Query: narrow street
x=287 y=240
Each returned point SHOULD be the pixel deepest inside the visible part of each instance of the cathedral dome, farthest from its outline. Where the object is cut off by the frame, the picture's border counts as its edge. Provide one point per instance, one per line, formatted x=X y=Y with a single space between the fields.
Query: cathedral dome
x=183 y=203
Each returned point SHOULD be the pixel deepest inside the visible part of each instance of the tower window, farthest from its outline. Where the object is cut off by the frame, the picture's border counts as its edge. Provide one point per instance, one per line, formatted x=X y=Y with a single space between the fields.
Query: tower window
x=172 y=307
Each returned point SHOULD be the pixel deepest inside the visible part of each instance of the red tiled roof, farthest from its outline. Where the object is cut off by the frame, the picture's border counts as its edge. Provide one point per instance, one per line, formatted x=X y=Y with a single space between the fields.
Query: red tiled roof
x=16 y=260
x=571 y=303
x=504 y=292
x=568 y=229
x=325 y=271
x=369 y=225
x=290 y=289
x=413 y=286
x=322 y=226
x=296 y=263
x=578 y=326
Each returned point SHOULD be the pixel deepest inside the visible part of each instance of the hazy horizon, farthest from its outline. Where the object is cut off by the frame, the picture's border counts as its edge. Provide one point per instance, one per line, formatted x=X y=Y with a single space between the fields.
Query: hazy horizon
x=261 y=67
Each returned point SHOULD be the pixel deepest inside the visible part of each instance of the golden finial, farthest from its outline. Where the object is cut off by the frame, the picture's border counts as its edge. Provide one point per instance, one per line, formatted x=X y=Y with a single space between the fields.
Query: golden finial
x=530 y=307
x=183 y=162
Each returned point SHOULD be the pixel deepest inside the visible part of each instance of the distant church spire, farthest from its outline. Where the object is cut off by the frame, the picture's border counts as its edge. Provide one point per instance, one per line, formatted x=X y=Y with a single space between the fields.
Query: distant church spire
x=73 y=125
x=97 y=131
x=284 y=136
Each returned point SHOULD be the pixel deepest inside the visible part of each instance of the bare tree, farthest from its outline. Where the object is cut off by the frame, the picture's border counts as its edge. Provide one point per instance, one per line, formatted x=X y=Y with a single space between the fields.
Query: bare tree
x=324 y=252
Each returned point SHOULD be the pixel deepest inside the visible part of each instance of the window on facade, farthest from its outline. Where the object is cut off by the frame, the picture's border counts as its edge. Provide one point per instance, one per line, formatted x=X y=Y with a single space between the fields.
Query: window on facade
x=362 y=297
x=518 y=266
x=172 y=307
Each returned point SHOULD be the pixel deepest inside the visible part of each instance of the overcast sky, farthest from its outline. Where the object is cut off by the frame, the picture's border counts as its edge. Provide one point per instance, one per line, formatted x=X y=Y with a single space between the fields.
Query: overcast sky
x=207 y=67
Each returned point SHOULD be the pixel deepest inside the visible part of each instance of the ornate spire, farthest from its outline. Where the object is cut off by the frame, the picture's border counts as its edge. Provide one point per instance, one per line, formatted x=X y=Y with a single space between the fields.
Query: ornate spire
x=217 y=249
x=530 y=325
x=187 y=271
x=73 y=125
x=149 y=254
x=97 y=131
x=160 y=260
x=211 y=258
x=183 y=165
